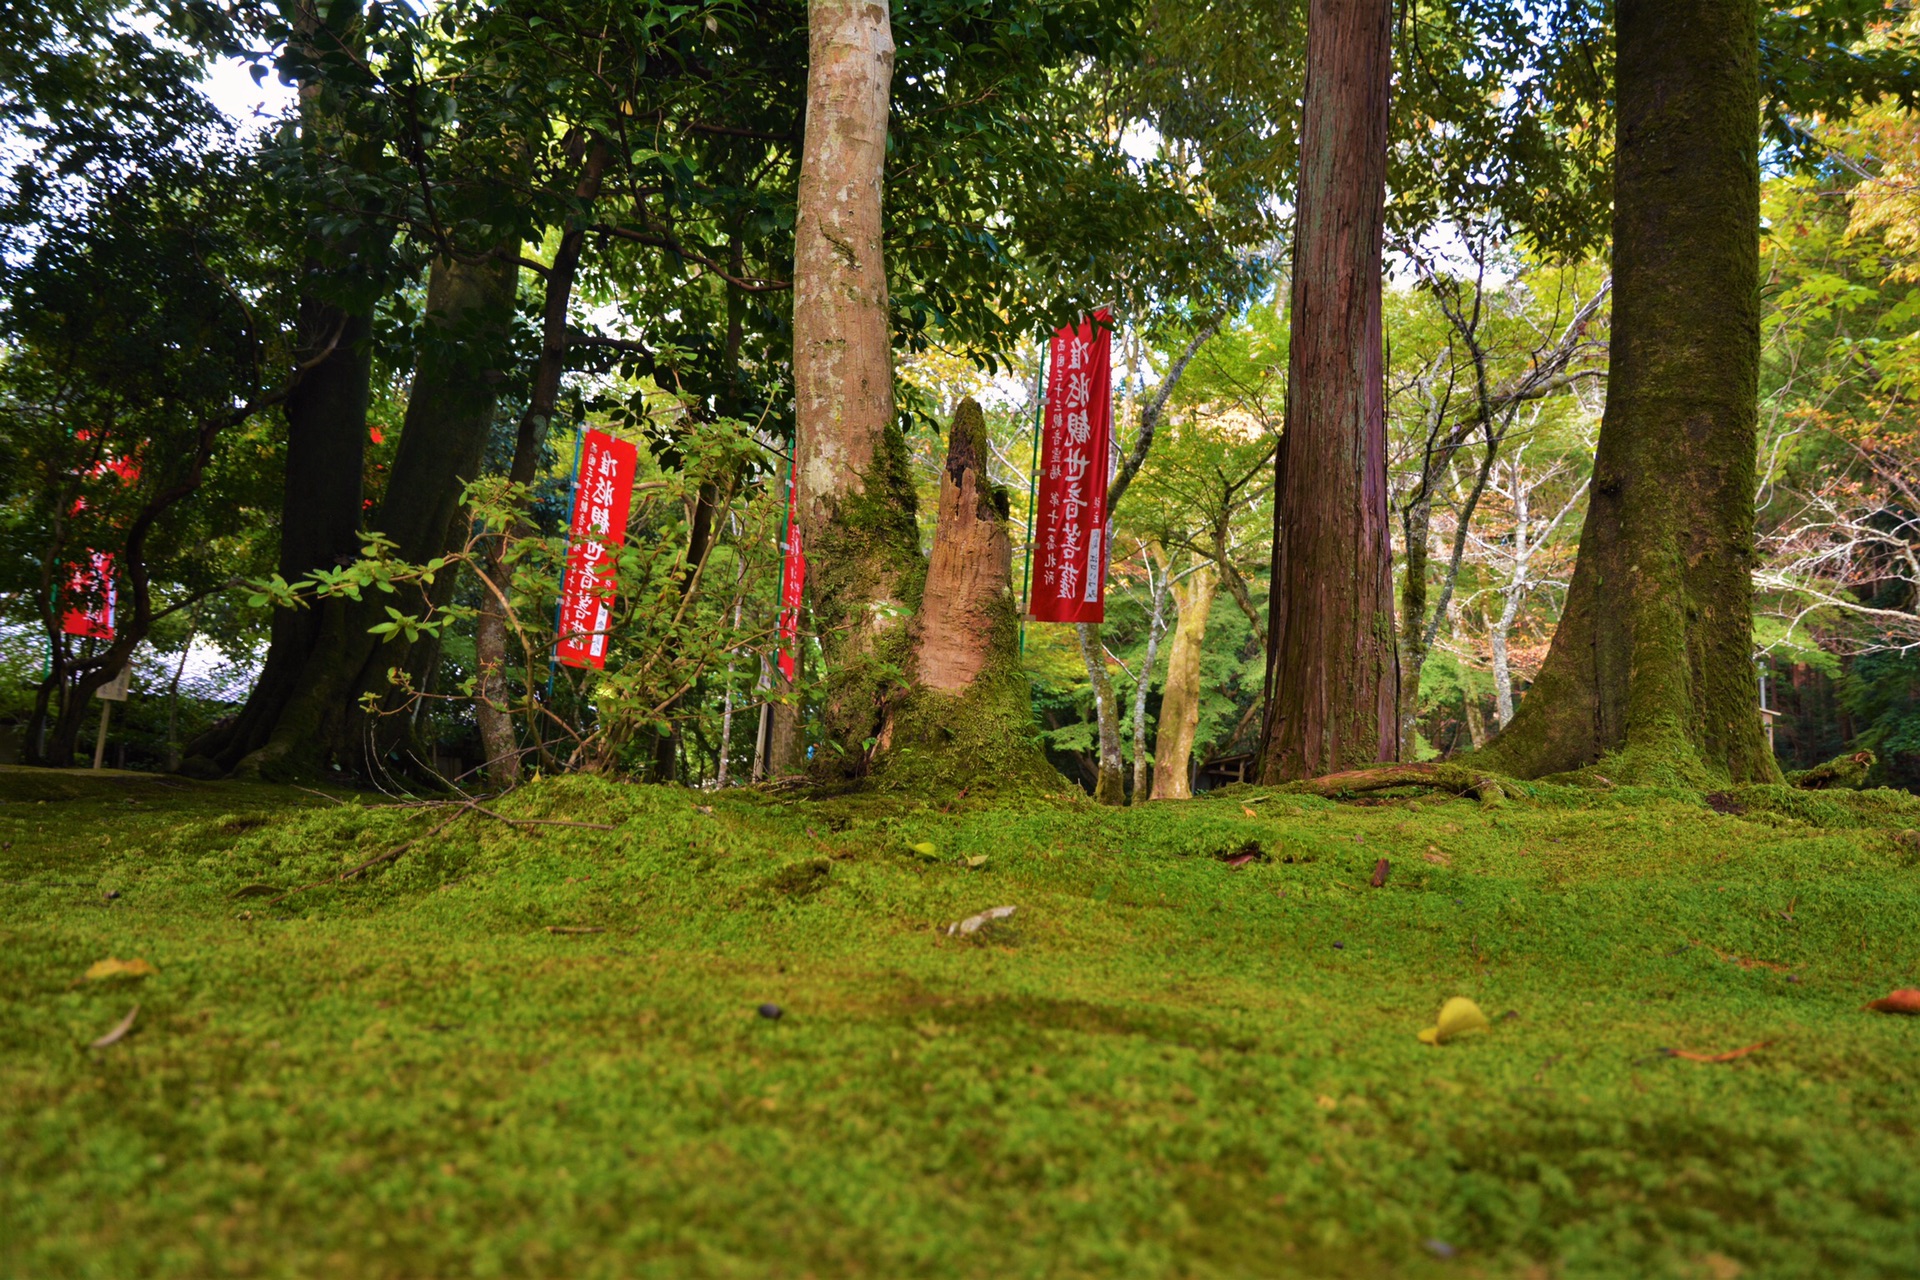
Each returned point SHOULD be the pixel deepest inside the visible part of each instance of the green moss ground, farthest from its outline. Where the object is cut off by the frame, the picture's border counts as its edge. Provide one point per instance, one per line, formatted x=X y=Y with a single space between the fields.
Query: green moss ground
x=1161 y=1066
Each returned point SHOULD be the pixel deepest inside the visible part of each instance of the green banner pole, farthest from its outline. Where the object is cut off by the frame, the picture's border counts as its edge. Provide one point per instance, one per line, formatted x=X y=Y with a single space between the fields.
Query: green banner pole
x=1033 y=481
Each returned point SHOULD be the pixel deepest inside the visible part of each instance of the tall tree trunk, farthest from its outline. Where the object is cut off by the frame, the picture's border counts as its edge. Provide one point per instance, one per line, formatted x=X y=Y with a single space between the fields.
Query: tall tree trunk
x=966 y=720
x=493 y=705
x=450 y=410
x=1652 y=661
x=856 y=495
x=1180 y=697
x=1156 y=628
x=1332 y=670
x=321 y=507
x=1110 y=784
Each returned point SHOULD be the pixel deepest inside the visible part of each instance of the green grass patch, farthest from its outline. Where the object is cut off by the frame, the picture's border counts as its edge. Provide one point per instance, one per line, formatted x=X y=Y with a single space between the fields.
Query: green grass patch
x=1160 y=1064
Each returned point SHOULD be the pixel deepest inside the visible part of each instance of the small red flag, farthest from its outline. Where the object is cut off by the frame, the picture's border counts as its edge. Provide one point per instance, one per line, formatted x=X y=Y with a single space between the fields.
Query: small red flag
x=793 y=581
x=602 y=494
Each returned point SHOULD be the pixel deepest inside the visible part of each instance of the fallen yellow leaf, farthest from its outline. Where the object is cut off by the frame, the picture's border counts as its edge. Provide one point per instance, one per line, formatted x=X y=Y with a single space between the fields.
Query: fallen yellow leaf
x=1325 y=1103
x=926 y=848
x=1457 y=1017
x=113 y=968
x=1250 y=813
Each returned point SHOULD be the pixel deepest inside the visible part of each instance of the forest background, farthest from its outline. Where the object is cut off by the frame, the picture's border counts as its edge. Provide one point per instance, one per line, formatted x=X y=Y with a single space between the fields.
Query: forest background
x=618 y=251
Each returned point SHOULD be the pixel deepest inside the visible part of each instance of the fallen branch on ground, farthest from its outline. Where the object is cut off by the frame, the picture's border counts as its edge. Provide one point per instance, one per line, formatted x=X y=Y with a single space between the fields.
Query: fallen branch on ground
x=1443 y=777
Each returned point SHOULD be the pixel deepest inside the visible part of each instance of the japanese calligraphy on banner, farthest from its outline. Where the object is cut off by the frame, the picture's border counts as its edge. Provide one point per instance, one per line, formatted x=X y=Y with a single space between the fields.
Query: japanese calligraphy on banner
x=90 y=591
x=603 y=490
x=1070 y=528
x=793 y=580
x=90 y=586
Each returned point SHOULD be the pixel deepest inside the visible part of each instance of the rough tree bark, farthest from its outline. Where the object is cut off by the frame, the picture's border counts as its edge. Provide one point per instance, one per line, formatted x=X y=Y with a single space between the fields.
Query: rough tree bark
x=450 y=411
x=856 y=496
x=1332 y=673
x=967 y=720
x=1180 y=696
x=321 y=502
x=1652 y=660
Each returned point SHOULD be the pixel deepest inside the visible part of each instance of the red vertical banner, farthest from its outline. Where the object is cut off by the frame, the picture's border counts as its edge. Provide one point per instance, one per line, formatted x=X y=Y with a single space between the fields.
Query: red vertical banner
x=91 y=596
x=793 y=582
x=1070 y=518
x=603 y=492
x=90 y=586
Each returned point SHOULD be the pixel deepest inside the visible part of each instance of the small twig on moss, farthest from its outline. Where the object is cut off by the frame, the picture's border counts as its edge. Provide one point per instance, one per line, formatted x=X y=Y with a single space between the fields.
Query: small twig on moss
x=542 y=822
x=372 y=862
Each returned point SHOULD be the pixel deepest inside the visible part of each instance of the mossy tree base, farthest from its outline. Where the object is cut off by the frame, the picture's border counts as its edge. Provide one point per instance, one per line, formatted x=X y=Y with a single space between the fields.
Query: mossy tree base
x=1650 y=677
x=967 y=719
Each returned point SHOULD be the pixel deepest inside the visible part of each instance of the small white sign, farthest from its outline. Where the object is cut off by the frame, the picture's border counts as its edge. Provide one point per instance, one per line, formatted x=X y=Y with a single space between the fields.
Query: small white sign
x=115 y=690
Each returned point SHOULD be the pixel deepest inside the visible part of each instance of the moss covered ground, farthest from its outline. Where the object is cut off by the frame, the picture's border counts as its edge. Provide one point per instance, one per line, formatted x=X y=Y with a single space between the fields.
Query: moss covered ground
x=1161 y=1064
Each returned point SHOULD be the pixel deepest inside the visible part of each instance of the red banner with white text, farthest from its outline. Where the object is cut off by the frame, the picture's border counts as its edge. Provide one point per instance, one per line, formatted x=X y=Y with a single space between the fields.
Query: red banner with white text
x=603 y=491
x=90 y=587
x=1070 y=532
x=90 y=595
x=793 y=581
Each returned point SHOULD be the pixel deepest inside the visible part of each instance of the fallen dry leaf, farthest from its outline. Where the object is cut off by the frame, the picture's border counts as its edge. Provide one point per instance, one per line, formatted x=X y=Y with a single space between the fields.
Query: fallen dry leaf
x=119 y=1031
x=1380 y=872
x=972 y=923
x=1325 y=1103
x=1905 y=1000
x=1436 y=857
x=101 y=970
x=1458 y=1016
x=1728 y=1056
x=1250 y=813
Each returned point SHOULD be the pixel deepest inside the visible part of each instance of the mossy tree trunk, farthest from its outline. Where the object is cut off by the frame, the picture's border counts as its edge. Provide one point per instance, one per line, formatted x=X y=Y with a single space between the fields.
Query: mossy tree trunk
x=450 y=409
x=1652 y=661
x=856 y=496
x=1333 y=677
x=967 y=719
x=1180 y=697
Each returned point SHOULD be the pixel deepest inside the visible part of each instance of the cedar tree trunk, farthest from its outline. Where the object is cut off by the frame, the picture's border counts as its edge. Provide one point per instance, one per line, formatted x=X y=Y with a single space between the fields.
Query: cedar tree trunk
x=1652 y=662
x=1332 y=674
x=1180 y=697
x=856 y=496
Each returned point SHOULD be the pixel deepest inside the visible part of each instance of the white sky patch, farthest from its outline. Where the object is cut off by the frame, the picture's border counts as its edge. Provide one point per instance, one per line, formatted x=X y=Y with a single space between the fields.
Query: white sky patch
x=252 y=106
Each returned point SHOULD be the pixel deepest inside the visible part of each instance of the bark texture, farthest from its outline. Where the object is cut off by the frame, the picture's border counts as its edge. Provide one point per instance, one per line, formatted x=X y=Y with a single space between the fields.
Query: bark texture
x=856 y=496
x=1332 y=673
x=968 y=718
x=1652 y=661
x=450 y=411
x=1180 y=696
x=321 y=501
